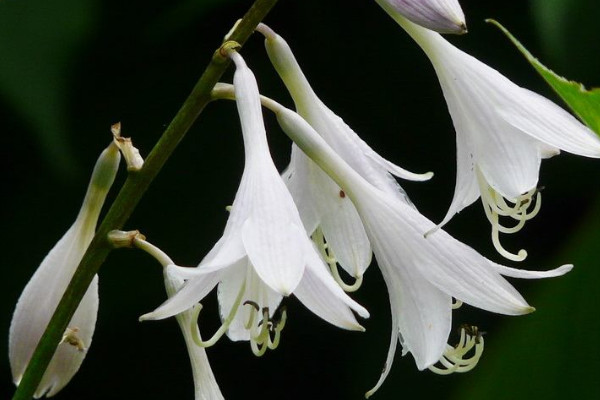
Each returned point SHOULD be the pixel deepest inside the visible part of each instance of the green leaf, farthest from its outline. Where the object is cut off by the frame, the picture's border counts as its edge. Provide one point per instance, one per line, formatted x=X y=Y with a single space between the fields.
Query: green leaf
x=584 y=103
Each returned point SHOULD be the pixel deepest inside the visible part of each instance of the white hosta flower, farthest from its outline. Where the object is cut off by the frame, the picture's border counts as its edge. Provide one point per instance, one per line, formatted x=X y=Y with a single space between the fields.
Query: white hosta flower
x=321 y=202
x=444 y=16
x=45 y=289
x=264 y=253
x=422 y=274
x=205 y=384
x=503 y=132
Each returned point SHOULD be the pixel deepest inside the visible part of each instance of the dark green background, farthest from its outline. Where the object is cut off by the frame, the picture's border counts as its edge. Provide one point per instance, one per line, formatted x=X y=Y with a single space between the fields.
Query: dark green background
x=71 y=68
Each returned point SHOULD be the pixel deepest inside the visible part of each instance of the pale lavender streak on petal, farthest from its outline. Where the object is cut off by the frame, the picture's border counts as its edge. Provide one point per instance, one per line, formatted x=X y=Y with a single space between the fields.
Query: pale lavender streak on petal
x=444 y=16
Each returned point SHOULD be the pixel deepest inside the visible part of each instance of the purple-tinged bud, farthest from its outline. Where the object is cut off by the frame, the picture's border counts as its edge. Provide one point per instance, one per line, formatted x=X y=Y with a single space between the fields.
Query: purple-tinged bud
x=443 y=16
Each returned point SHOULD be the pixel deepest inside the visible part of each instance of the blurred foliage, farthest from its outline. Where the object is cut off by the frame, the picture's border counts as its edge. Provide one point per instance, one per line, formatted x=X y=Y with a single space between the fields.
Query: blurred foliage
x=568 y=32
x=584 y=103
x=69 y=69
x=36 y=66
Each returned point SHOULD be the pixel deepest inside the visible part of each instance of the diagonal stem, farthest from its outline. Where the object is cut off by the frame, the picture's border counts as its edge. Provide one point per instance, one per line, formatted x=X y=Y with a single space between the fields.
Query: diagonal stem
x=129 y=196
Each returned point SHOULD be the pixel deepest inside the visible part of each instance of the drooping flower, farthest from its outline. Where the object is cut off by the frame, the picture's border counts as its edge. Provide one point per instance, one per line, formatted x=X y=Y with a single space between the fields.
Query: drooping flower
x=205 y=384
x=47 y=285
x=423 y=274
x=503 y=132
x=444 y=16
x=264 y=253
x=323 y=206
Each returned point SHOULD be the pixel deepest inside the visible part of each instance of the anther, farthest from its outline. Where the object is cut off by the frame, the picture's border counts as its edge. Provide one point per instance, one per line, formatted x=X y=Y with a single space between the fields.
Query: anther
x=72 y=338
x=251 y=303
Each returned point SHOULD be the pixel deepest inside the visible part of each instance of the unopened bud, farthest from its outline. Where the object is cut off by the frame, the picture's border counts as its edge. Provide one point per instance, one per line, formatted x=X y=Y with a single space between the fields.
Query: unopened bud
x=443 y=16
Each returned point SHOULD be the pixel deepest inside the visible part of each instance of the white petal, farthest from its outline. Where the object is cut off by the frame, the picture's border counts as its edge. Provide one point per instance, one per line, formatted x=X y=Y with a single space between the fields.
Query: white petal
x=273 y=232
x=296 y=178
x=205 y=384
x=255 y=290
x=226 y=252
x=424 y=312
x=194 y=290
x=525 y=274
x=466 y=190
x=323 y=296
x=511 y=162
x=545 y=121
x=393 y=168
x=394 y=338
x=330 y=126
x=342 y=226
x=228 y=290
x=274 y=246
x=453 y=267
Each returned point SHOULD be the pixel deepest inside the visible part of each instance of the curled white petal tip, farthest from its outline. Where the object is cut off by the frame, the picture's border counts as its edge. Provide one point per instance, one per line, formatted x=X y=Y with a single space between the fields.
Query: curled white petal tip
x=563 y=269
x=146 y=317
x=427 y=176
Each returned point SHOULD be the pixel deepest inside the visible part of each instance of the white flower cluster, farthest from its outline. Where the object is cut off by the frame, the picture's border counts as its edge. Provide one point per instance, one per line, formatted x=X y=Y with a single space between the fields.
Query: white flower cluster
x=337 y=204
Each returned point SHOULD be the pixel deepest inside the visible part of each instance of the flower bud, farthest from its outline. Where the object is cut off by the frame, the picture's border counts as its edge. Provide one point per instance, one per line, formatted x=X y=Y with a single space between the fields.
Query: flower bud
x=45 y=289
x=443 y=16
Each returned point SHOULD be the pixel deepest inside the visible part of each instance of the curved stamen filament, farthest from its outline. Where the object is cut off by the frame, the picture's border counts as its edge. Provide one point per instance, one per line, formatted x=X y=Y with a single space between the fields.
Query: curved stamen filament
x=327 y=254
x=258 y=342
x=521 y=209
x=252 y=317
x=269 y=333
x=224 y=326
x=277 y=328
x=453 y=359
x=520 y=256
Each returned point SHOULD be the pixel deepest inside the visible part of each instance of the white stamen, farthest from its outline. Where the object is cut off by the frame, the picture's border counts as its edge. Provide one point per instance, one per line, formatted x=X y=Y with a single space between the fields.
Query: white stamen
x=224 y=326
x=453 y=360
x=328 y=256
x=261 y=341
x=495 y=206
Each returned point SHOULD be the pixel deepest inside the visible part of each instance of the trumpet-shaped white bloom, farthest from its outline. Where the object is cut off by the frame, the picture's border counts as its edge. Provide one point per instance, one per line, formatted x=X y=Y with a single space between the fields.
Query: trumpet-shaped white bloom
x=264 y=253
x=444 y=16
x=503 y=132
x=321 y=202
x=45 y=289
x=205 y=384
x=422 y=274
